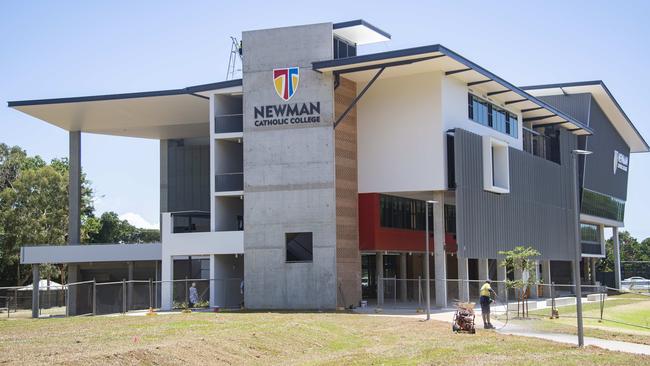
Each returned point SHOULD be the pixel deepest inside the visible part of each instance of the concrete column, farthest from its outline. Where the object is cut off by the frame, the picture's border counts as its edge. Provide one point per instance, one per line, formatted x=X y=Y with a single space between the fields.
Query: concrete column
x=617 y=258
x=36 y=275
x=546 y=277
x=534 y=289
x=592 y=270
x=501 y=278
x=166 y=286
x=463 y=277
x=483 y=271
x=439 y=255
x=129 y=287
x=379 y=269
x=213 y=281
x=74 y=188
x=402 y=277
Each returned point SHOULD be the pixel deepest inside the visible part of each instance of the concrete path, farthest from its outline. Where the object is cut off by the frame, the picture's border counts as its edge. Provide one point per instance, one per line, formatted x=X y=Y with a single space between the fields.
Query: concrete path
x=628 y=347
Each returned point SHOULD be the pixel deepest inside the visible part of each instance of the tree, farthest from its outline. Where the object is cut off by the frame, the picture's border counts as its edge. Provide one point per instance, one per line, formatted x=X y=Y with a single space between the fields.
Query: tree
x=33 y=207
x=113 y=230
x=630 y=249
x=520 y=259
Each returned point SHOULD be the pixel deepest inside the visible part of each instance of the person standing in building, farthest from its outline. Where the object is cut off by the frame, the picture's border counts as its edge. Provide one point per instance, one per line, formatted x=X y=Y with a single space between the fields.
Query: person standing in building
x=194 y=295
x=241 y=291
x=485 y=300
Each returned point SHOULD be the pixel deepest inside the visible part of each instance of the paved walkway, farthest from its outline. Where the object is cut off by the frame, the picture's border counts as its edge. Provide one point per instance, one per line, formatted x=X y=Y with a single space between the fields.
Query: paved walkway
x=628 y=347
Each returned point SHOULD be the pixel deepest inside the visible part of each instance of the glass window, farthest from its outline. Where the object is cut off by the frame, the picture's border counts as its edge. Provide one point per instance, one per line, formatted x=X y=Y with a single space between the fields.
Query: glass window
x=299 y=247
x=488 y=114
x=602 y=205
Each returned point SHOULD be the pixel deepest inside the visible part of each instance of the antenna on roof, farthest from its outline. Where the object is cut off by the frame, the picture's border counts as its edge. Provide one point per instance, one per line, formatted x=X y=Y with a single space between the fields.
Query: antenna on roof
x=235 y=53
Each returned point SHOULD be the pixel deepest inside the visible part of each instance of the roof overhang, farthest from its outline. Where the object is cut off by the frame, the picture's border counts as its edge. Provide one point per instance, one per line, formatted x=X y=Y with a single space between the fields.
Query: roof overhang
x=359 y=32
x=438 y=58
x=605 y=100
x=163 y=114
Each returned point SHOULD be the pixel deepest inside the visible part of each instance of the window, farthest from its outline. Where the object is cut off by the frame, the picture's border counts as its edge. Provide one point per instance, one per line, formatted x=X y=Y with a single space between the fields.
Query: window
x=299 y=247
x=590 y=239
x=496 y=165
x=343 y=49
x=491 y=115
x=403 y=213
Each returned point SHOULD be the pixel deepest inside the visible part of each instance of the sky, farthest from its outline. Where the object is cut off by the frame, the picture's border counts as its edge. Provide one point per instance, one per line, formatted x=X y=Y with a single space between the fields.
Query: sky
x=55 y=49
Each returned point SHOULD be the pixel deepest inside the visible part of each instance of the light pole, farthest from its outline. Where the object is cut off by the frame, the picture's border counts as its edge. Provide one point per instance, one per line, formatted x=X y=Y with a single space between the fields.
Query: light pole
x=427 y=290
x=578 y=247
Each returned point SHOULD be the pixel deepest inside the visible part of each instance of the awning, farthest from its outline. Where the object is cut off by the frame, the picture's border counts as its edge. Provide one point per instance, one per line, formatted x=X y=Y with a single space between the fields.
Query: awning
x=605 y=100
x=359 y=32
x=163 y=114
x=410 y=61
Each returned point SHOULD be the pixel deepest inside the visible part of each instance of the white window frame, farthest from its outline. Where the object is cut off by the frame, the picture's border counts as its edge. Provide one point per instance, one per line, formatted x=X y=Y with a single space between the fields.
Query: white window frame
x=496 y=167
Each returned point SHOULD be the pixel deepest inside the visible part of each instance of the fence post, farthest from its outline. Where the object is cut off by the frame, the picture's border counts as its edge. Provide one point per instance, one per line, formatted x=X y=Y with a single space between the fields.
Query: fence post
x=94 y=297
x=419 y=291
x=67 y=300
x=187 y=300
x=150 y=294
x=123 y=295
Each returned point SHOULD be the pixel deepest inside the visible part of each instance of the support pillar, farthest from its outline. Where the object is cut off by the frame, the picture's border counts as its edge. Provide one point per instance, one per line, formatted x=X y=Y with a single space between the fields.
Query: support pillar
x=617 y=258
x=501 y=278
x=534 y=290
x=592 y=270
x=36 y=276
x=74 y=188
x=463 y=278
x=546 y=277
x=439 y=254
x=402 y=277
x=483 y=271
x=213 y=281
x=166 y=286
x=379 y=269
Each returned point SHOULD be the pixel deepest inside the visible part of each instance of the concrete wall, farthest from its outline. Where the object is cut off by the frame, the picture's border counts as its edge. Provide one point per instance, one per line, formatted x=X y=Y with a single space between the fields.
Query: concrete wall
x=289 y=173
x=348 y=258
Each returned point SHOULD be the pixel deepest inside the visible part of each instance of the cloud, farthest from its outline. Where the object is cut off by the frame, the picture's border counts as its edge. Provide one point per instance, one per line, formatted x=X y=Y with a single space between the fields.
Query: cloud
x=137 y=220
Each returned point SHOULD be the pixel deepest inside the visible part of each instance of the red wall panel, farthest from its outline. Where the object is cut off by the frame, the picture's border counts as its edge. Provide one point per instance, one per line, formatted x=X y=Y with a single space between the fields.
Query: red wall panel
x=373 y=237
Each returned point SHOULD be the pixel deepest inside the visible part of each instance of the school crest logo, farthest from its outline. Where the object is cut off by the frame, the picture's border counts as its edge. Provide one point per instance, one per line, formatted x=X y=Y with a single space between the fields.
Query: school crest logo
x=286 y=81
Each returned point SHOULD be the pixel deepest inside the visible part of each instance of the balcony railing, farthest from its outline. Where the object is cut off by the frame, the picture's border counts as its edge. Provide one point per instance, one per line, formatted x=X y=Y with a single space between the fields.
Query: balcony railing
x=229 y=182
x=228 y=123
x=190 y=221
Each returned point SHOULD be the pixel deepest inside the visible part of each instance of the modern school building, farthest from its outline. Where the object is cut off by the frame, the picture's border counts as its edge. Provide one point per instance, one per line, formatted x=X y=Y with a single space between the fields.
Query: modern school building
x=308 y=177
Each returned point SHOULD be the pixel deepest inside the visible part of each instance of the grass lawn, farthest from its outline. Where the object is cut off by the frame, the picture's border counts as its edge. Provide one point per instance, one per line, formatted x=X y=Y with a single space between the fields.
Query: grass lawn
x=277 y=338
x=619 y=312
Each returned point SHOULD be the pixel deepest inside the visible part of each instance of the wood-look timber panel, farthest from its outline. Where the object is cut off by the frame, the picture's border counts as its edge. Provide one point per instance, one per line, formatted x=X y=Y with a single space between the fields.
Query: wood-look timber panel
x=348 y=258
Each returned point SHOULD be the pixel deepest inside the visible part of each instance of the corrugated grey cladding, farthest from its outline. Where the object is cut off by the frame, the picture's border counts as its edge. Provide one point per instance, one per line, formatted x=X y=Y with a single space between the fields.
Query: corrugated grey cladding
x=537 y=212
x=599 y=167
x=188 y=177
x=575 y=105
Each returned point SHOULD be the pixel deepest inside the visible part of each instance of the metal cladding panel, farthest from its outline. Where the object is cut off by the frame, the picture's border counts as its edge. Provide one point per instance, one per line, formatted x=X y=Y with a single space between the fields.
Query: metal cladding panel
x=575 y=105
x=599 y=168
x=188 y=169
x=538 y=211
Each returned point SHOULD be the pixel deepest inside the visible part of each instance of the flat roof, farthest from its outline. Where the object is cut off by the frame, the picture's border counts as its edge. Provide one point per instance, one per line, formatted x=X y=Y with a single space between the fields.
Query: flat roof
x=360 y=32
x=605 y=100
x=161 y=114
x=437 y=57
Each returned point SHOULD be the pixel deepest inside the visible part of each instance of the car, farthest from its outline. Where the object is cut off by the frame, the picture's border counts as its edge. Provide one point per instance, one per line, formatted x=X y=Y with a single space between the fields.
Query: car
x=635 y=283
